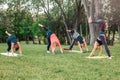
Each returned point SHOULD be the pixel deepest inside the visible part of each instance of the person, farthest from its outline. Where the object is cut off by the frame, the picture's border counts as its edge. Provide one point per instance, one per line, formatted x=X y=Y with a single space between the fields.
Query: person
x=80 y=41
x=53 y=40
x=101 y=37
x=97 y=45
x=13 y=44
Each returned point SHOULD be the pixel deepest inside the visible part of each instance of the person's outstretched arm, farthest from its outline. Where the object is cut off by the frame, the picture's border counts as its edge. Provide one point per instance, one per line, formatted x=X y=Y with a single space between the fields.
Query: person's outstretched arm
x=45 y=28
x=68 y=30
x=97 y=21
x=7 y=33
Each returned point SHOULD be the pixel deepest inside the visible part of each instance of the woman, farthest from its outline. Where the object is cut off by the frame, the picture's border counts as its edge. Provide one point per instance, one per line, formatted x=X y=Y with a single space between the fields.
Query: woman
x=97 y=45
x=54 y=43
x=76 y=37
x=52 y=40
x=101 y=35
x=13 y=44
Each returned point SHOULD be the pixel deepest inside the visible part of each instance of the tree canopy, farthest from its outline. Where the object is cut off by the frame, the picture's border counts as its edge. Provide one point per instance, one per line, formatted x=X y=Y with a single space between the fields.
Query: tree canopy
x=22 y=17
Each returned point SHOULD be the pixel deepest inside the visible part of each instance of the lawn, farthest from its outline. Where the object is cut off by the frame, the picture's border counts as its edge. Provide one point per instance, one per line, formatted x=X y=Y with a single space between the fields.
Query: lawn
x=36 y=64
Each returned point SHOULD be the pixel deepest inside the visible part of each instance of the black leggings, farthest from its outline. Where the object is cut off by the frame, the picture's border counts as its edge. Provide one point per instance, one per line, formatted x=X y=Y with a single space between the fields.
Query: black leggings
x=71 y=46
x=49 y=44
x=9 y=46
x=79 y=38
x=102 y=38
x=99 y=42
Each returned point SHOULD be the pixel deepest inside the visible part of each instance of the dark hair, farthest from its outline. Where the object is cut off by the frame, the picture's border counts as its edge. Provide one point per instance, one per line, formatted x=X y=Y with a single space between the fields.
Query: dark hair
x=72 y=30
x=16 y=47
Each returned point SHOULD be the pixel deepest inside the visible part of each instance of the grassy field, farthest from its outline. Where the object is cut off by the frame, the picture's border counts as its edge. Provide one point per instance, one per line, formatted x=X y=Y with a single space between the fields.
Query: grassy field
x=36 y=64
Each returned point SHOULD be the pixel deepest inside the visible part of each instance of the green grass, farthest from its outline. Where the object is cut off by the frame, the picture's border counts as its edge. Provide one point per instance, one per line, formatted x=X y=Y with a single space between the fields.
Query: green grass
x=36 y=64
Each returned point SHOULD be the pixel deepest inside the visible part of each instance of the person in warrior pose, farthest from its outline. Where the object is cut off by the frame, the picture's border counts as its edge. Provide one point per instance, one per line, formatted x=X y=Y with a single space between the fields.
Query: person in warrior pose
x=101 y=39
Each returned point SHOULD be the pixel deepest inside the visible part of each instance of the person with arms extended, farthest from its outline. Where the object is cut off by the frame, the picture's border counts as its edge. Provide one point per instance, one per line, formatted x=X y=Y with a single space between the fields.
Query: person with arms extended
x=53 y=40
x=101 y=39
x=13 y=44
x=79 y=39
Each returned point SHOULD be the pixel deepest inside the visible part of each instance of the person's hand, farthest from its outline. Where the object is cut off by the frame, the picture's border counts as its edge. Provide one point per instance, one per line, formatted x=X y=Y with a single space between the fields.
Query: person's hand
x=40 y=25
x=68 y=30
x=6 y=32
x=90 y=19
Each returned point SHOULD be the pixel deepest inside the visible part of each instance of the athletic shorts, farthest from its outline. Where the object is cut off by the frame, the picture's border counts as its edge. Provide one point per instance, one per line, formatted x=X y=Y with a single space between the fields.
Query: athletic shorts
x=80 y=39
x=99 y=42
x=54 y=39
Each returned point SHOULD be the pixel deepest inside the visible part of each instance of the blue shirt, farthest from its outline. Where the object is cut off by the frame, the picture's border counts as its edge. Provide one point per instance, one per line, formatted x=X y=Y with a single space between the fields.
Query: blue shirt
x=12 y=39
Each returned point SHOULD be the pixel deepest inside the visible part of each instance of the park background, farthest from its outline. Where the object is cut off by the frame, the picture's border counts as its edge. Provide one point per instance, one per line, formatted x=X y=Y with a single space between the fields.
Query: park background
x=21 y=17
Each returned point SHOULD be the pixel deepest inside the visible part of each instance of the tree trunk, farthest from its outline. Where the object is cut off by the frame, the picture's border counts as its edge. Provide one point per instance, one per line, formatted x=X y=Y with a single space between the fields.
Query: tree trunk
x=68 y=35
x=33 y=39
x=113 y=35
x=108 y=38
x=27 y=40
x=81 y=30
x=87 y=33
x=39 y=40
x=91 y=26
x=97 y=16
x=64 y=21
x=119 y=32
x=109 y=34
x=77 y=14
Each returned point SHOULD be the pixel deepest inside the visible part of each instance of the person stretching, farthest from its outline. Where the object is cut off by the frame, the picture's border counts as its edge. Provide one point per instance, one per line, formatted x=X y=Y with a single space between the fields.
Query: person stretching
x=80 y=41
x=53 y=41
x=13 y=44
x=101 y=35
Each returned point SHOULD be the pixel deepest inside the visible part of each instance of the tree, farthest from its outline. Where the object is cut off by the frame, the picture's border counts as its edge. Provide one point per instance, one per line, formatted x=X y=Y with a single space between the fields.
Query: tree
x=2 y=26
x=111 y=13
x=71 y=12
x=88 y=14
x=115 y=14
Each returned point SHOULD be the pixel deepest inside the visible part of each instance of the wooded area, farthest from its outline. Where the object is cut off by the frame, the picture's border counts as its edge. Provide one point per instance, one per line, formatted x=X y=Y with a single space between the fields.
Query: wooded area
x=21 y=17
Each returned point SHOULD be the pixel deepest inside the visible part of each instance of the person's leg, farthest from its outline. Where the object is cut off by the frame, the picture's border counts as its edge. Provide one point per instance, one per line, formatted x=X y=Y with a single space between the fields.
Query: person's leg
x=48 y=46
x=105 y=45
x=20 y=51
x=85 y=44
x=100 y=51
x=9 y=46
x=61 y=50
x=53 y=45
x=12 y=48
x=60 y=47
x=94 y=49
x=79 y=45
x=71 y=46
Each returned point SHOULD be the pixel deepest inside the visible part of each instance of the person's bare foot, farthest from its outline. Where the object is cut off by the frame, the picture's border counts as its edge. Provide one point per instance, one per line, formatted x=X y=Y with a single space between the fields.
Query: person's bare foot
x=91 y=55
